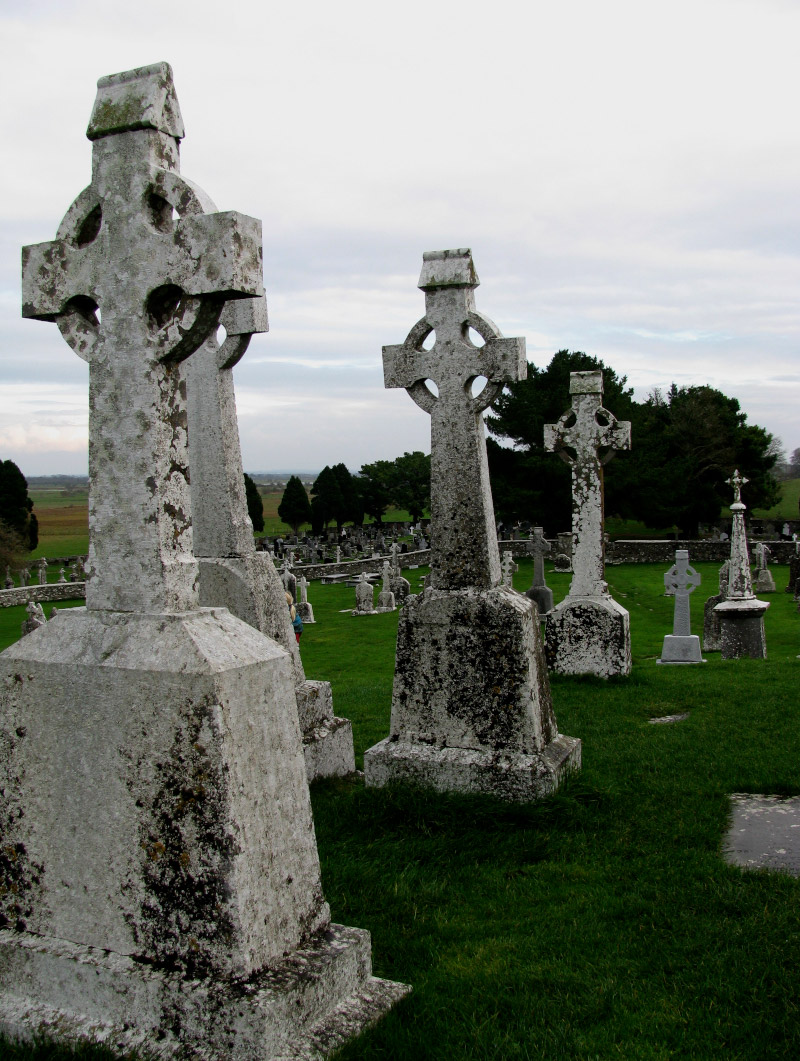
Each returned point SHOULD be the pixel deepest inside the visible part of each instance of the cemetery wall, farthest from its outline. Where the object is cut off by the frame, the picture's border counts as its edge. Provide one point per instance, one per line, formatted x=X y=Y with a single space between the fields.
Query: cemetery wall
x=54 y=591
x=662 y=551
x=355 y=567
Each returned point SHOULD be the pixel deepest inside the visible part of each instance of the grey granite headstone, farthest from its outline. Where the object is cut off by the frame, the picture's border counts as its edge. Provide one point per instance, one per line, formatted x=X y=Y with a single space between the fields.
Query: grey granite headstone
x=137 y=917
x=588 y=632
x=681 y=646
x=471 y=704
x=764 y=582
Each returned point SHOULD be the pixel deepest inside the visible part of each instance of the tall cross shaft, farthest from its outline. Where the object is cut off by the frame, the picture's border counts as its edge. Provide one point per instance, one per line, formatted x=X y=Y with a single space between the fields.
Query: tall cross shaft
x=586 y=437
x=136 y=281
x=221 y=525
x=464 y=550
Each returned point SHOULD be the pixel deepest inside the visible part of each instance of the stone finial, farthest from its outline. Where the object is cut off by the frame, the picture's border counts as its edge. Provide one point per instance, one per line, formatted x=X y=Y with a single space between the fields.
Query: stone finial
x=143 y=98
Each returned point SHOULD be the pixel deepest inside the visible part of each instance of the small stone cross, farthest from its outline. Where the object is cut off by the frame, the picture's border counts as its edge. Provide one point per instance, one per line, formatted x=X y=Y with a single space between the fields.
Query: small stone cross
x=587 y=437
x=737 y=481
x=680 y=581
x=539 y=546
x=463 y=542
x=508 y=568
x=136 y=281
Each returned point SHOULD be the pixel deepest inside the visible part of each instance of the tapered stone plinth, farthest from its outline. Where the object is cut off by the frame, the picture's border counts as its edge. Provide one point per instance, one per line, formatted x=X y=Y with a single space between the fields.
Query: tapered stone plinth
x=589 y=635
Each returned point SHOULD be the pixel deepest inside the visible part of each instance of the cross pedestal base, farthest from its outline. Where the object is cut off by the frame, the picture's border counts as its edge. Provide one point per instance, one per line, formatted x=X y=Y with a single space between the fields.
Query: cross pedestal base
x=681 y=648
x=471 y=704
x=303 y=1007
x=764 y=582
x=589 y=635
x=517 y=778
x=711 y=632
x=741 y=624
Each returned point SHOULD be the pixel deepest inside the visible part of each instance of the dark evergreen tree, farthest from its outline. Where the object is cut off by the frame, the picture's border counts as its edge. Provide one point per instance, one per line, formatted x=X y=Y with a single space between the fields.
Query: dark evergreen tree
x=255 y=506
x=351 y=511
x=295 y=508
x=327 y=502
x=16 y=507
x=373 y=483
x=411 y=483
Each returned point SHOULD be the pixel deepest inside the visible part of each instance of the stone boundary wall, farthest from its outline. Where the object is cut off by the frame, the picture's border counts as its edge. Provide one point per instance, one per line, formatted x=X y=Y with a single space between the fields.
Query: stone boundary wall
x=662 y=551
x=355 y=567
x=53 y=591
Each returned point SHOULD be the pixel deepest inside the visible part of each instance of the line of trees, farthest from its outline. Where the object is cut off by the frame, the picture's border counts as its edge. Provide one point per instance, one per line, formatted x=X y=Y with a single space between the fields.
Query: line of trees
x=339 y=497
x=685 y=444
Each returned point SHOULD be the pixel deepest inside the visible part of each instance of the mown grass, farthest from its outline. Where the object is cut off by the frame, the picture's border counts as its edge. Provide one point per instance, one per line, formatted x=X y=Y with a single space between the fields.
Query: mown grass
x=602 y=922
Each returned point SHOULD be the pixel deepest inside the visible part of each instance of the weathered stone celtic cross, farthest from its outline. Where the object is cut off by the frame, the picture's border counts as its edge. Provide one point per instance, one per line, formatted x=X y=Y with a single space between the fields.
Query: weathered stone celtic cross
x=471 y=705
x=158 y=809
x=539 y=591
x=232 y=574
x=681 y=646
x=588 y=632
x=741 y=614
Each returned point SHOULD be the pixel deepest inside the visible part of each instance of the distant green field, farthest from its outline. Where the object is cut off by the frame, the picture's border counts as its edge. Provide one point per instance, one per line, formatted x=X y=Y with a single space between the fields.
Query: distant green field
x=787 y=507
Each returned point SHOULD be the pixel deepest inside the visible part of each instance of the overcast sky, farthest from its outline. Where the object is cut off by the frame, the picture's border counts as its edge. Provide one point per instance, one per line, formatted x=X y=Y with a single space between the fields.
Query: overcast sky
x=626 y=174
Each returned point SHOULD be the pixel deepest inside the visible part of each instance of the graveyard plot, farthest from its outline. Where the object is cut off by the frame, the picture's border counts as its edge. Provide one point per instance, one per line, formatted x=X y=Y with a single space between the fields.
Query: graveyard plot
x=603 y=922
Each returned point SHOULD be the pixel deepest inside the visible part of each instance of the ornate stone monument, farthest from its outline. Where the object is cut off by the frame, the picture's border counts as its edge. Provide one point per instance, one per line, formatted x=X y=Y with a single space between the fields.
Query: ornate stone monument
x=711 y=632
x=540 y=592
x=741 y=615
x=681 y=646
x=233 y=574
x=165 y=892
x=471 y=705
x=588 y=632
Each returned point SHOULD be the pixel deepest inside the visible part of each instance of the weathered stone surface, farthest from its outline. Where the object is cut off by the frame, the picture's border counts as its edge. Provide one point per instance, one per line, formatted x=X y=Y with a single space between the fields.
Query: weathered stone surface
x=681 y=581
x=471 y=705
x=365 y=597
x=764 y=582
x=144 y=913
x=764 y=833
x=741 y=614
x=53 y=591
x=232 y=574
x=586 y=437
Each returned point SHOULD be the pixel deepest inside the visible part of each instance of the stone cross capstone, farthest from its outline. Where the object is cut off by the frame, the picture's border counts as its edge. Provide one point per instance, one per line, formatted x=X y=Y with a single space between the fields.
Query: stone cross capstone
x=471 y=703
x=463 y=541
x=588 y=632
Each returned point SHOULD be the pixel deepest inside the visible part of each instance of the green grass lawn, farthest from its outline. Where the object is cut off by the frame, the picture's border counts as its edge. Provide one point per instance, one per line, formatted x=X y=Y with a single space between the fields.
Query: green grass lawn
x=599 y=923
x=787 y=507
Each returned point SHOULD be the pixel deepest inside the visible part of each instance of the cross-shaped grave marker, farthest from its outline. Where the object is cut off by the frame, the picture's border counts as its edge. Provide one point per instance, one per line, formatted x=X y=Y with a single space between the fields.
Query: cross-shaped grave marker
x=540 y=591
x=135 y=290
x=587 y=437
x=681 y=646
x=463 y=541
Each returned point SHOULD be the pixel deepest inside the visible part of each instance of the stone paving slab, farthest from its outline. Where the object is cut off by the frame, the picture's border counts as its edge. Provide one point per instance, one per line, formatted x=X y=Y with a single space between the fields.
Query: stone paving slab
x=764 y=833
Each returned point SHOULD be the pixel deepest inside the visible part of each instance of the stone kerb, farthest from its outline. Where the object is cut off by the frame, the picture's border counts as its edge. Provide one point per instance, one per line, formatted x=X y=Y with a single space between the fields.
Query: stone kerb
x=53 y=591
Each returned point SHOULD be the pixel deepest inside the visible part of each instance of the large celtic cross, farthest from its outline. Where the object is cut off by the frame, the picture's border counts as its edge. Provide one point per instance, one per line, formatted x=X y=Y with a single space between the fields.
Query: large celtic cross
x=136 y=281
x=464 y=549
x=586 y=437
